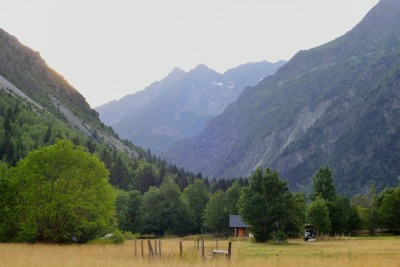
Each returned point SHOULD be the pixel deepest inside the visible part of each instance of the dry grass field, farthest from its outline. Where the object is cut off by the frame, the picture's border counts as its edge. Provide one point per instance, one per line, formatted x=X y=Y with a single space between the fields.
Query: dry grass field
x=370 y=251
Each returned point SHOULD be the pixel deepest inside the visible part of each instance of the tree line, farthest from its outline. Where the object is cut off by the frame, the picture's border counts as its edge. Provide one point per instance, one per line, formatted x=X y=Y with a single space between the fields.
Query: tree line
x=61 y=193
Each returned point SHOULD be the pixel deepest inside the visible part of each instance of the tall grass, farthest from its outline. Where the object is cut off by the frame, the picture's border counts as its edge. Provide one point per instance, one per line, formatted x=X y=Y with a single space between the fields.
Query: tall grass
x=382 y=251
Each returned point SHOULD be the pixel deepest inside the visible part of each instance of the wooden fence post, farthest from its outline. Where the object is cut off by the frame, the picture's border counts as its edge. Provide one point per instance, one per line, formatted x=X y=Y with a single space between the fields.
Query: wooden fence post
x=203 y=255
x=141 y=248
x=159 y=248
x=229 y=250
x=135 y=249
x=155 y=247
x=151 y=252
x=216 y=243
x=180 y=249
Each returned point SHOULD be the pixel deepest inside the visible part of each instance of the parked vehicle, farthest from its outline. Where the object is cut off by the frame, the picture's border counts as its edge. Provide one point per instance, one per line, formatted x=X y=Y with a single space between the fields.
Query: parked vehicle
x=309 y=232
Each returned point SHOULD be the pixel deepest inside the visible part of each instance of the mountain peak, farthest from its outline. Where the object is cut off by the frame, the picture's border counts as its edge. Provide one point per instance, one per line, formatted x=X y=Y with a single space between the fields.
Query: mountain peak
x=381 y=20
x=175 y=75
x=202 y=67
x=177 y=70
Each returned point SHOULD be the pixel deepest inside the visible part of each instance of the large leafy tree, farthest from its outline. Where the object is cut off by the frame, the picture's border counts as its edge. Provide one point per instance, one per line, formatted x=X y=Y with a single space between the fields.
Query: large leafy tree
x=59 y=193
x=390 y=209
x=216 y=217
x=297 y=213
x=368 y=210
x=7 y=204
x=266 y=205
x=342 y=215
x=220 y=206
x=232 y=198
x=196 y=195
x=165 y=212
x=318 y=215
x=129 y=213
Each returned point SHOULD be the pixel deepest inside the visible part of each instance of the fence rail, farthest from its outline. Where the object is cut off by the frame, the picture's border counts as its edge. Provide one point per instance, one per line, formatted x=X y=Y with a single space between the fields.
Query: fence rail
x=156 y=249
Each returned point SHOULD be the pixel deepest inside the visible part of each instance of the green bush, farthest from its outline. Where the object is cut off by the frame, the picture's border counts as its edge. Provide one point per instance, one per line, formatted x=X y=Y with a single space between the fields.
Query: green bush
x=117 y=237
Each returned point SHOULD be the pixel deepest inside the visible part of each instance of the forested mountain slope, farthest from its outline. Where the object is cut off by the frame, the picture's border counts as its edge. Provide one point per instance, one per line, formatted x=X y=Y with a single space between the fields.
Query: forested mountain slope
x=180 y=105
x=337 y=104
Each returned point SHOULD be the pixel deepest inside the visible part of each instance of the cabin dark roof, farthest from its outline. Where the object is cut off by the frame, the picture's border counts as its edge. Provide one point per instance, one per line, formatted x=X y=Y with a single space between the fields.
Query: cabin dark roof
x=236 y=222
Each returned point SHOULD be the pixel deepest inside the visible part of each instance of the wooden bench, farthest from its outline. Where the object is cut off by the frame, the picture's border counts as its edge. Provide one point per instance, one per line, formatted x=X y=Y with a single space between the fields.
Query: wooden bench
x=223 y=252
x=220 y=252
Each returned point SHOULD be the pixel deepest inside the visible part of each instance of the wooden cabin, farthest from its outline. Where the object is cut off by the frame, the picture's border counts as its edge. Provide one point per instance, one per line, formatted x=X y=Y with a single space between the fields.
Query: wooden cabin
x=238 y=226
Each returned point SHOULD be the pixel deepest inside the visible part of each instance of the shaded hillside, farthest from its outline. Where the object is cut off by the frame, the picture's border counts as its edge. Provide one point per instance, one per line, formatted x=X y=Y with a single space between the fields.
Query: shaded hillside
x=180 y=105
x=336 y=105
x=25 y=69
x=24 y=73
x=38 y=107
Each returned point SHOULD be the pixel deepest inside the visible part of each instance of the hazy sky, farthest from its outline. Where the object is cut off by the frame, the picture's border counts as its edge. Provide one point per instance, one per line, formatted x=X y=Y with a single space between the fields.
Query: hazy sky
x=110 y=48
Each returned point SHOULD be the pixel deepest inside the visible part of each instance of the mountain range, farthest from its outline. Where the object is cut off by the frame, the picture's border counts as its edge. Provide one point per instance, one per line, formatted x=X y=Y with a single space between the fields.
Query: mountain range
x=336 y=105
x=180 y=106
